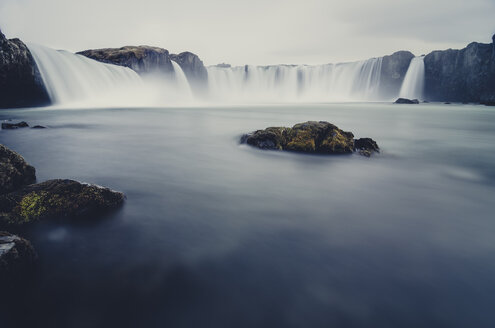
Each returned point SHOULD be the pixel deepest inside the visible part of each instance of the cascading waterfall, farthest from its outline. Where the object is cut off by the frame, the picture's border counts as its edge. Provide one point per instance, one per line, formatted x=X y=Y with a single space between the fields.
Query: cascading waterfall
x=71 y=78
x=413 y=84
x=181 y=84
x=285 y=83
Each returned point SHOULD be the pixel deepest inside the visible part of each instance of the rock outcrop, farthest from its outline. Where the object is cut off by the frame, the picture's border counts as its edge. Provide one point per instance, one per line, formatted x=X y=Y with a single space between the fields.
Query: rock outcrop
x=17 y=256
x=393 y=71
x=144 y=60
x=465 y=75
x=12 y=126
x=56 y=199
x=310 y=137
x=406 y=101
x=14 y=171
x=20 y=80
x=194 y=70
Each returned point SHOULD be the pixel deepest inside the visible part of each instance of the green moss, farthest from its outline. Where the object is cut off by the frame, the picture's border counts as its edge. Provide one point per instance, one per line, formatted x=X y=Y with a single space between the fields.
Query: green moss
x=302 y=140
x=32 y=206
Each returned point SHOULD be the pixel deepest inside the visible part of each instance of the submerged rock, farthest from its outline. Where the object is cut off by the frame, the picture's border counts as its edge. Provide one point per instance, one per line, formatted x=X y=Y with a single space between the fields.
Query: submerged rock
x=16 y=255
x=309 y=137
x=406 y=101
x=56 y=199
x=366 y=146
x=38 y=127
x=15 y=172
x=11 y=126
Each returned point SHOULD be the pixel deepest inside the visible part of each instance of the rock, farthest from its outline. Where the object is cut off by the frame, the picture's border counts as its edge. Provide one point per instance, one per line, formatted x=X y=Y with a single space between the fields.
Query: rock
x=488 y=103
x=21 y=84
x=14 y=171
x=309 y=137
x=406 y=101
x=17 y=255
x=465 y=75
x=223 y=65
x=56 y=199
x=366 y=146
x=193 y=68
x=393 y=70
x=11 y=126
x=145 y=60
x=38 y=127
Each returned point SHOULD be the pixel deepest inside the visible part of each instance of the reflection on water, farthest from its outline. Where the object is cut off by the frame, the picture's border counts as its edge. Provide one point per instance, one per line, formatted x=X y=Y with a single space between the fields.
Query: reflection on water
x=217 y=234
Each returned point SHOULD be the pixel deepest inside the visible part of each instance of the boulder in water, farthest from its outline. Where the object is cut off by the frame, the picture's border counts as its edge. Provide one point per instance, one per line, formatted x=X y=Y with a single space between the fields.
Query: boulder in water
x=309 y=137
x=17 y=255
x=366 y=146
x=38 y=127
x=406 y=101
x=56 y=199
x=11 y=126
x=14 y=171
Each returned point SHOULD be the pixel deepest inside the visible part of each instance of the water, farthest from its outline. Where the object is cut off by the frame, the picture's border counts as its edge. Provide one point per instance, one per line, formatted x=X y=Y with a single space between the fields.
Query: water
x=296 y=83
x=77 y=81
x=413 y=84
x=217 y=234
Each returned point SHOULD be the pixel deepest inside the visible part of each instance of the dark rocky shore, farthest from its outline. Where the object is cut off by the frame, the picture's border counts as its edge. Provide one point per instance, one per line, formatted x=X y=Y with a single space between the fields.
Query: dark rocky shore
x=311 y=137
x=24 y=202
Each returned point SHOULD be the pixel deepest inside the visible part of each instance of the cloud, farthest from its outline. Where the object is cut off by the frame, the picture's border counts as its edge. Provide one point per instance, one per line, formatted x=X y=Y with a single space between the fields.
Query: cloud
x=256 y=31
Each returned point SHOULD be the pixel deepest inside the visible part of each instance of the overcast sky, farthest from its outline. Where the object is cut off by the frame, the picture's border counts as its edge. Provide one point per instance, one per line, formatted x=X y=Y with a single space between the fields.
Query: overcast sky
x=254 y=31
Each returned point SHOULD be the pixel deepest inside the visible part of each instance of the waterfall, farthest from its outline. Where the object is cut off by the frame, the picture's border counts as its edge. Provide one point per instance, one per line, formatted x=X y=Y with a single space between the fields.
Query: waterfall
x=181 y=83
x=71 y=78
x=356 y=81
x=413 y=84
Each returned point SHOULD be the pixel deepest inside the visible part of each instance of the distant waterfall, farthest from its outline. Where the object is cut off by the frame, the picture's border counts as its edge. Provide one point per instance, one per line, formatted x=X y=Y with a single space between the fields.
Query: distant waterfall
x=181 y=83
x=71 y=78
x=413 y=84
x=354 y=81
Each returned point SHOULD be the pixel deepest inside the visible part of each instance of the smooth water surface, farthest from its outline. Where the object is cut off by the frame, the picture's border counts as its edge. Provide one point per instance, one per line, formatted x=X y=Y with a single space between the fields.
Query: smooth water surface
x=217 y=234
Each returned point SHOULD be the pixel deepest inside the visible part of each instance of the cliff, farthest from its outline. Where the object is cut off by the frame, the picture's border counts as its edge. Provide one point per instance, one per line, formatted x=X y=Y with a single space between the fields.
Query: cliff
x=20 y=80
x=194 y=70
x=142 y=59
x=465 y=75
x=394 y=69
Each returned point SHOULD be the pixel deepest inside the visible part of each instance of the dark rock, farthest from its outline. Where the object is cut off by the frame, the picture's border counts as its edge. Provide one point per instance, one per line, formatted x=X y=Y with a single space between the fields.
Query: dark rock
x=446 y=103
x=406 y=101
x=488 y=103
x=38 y=127
x=11 y=126
x=144 y=60
x=366 y=146
x=465 y=75
x=223 y=65
x=17 y=255
x=56 y=199
x=309 y=137
x=14 y=171
x=393 y=70
x=21 y=84
x=193 y=68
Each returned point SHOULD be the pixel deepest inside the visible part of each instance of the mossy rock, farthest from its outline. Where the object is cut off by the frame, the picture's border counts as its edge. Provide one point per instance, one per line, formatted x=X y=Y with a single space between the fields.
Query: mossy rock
x=17 y=255
x=15 y=172
x=56 y=199
x=308 y=137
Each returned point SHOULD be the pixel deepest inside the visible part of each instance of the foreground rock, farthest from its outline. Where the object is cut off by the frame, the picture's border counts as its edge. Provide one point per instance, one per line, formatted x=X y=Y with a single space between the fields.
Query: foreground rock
x=56 y=199
x=20 y=80
x=11 y=126
x=310 y=137
x=16 y=255
x=15 y=172
x=406 y=101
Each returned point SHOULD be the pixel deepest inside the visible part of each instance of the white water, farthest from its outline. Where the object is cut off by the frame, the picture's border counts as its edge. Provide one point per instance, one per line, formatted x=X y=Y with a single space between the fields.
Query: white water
x=355 y=81
x=71 y=78
x=413 y=85
x=77 y=81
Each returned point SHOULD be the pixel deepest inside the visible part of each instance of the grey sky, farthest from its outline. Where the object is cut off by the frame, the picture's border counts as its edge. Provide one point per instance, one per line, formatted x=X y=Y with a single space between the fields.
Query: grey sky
x=254 y=31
